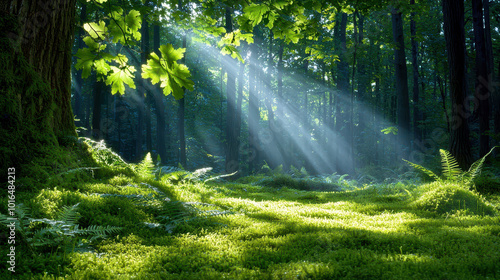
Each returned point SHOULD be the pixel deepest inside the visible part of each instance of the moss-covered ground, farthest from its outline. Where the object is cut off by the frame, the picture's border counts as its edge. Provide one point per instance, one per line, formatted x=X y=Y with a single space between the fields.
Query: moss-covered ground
x=258 y=228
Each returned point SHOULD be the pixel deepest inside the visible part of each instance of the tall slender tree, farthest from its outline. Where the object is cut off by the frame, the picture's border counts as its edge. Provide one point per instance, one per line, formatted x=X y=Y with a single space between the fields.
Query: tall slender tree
x=454 y=31
x=403 y=107
x=416 y=89
x=161 y=125
x=482 y=92
x=232 y=163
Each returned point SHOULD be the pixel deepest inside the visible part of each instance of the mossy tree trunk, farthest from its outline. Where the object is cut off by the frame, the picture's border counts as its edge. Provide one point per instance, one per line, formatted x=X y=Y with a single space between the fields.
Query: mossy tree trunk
x=35 y=85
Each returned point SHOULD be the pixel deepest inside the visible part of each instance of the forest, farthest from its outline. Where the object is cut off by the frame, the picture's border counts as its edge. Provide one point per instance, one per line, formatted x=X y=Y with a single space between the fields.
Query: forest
x=250 y=139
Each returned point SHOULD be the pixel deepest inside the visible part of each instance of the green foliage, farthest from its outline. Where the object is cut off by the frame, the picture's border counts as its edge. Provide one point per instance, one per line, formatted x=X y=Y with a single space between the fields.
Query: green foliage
x=389 y=130
x=445 y=198
x=173 y=76
x=102 y=154
x=451 y=170
x=145 y=169
x=61 y=233
x=286 y=181
x=255 y=12
x=114 y=69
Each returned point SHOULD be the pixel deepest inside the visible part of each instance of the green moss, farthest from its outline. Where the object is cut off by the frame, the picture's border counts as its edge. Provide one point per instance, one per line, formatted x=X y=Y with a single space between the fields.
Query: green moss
x=444 y=198
x=281 y=181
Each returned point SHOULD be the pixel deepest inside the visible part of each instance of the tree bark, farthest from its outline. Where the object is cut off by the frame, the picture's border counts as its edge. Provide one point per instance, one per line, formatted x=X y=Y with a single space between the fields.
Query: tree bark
x=253 y=109
x=159 y=105
x=146 y=49
x=97 y=109
x=77 y=109
x=182 y=107
x=403 y=105
x=344 y=162
x=416 y=89
x=232 y=163
x=181 y=118
x=36 y=38
x=453 y=14
x=482 y=92
x=45 y=37
x=239 y=104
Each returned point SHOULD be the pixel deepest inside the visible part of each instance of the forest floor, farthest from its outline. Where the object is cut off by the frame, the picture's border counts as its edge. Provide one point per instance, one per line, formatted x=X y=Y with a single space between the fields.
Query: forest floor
x=177 y=226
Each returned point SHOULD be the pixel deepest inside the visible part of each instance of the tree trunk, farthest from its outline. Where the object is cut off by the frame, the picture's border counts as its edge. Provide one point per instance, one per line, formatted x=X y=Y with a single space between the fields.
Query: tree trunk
x=403 y=107
x=232 y=163
x=482 y=93
x=364 y=90
x=239 y=104
x=146 y=49
x=344 y=160
x=181 y=118
x=97 y=109
x=36 y=37
x=159 y=105
x=182 y=106
x=77 y=109
x=453 y=14
x=253 y=109
x=45 y=37
x=416 y=91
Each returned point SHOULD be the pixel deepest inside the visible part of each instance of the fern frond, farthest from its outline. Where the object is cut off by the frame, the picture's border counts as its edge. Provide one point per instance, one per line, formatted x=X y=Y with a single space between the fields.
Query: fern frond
x=451 y=169
x=220 y=176
x=423 y=169
x=99 y=230
x=145 y=169
x=475 y=168
x=69 y=214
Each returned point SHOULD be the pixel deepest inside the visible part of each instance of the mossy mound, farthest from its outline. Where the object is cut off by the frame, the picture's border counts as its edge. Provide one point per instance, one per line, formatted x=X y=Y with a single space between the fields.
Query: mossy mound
x=280 y=181
x=444 y=198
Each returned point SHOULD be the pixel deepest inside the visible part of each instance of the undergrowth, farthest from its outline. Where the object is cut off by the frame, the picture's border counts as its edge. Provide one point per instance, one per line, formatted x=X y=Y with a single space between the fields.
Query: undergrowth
x=177 y=224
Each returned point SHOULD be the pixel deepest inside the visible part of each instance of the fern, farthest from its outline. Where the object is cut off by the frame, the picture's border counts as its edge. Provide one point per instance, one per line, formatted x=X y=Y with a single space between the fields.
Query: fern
x=61 y=232
x=475 y=168
x=172 y=213
x=145 y=169
x=423 y=169
x=449 y=165
x=451 y=170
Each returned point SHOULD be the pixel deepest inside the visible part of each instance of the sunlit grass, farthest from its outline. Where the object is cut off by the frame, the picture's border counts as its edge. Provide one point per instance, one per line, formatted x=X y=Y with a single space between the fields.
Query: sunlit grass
x=369 y=232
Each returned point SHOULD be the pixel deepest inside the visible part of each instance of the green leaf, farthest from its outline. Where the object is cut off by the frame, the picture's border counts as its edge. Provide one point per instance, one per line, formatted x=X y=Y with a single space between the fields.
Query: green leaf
x=168 y=72
x=280 y=4
x=271 y=18
x=133 y=20
x=154 y=70
x=91 y=43
x=96 y=31
x=85 y=61
x=119 y=78
x=255 y=12
x=171 y=54
x=102 y=67
x=231 y=50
